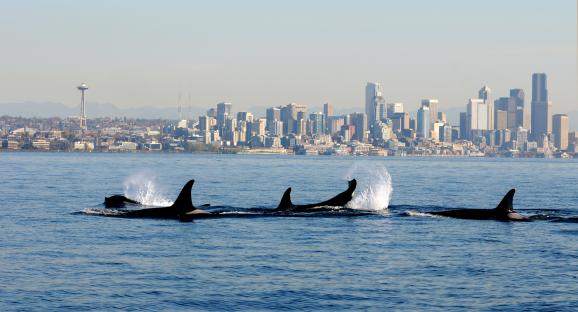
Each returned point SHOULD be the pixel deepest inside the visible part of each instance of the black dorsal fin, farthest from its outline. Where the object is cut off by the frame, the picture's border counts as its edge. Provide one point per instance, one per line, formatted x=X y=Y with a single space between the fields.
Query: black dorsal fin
x=184 y=201
x=352 y=185
x=506 y=205
x=285 y=203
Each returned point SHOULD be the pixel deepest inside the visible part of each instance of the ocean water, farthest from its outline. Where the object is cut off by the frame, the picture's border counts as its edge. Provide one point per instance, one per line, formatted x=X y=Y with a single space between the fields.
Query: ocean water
x=56 y=253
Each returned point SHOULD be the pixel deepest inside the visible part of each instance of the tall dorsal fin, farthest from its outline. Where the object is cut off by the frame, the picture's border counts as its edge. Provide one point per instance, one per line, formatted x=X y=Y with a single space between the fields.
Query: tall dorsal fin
x=184 y=201
x=352 y=186
x=285 y=203
x=506 y=205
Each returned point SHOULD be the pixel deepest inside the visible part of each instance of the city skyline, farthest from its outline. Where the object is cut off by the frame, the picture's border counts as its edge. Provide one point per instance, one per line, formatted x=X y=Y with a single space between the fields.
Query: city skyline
x=271 y=54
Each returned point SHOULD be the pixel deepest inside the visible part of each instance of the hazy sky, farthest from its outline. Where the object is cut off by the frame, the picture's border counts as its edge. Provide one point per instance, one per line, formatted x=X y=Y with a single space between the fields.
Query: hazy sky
x=263 y=53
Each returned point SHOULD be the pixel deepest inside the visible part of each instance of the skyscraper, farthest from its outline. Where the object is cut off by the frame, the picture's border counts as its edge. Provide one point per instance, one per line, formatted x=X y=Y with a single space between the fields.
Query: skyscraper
x=477 y=115
x=394 y=108
x=373 y=97
x=541 y=107
x=432 y=104
x=464 y=125
x=359 y=120
x=400 y=121
x=317 y=123
x=522 y=119
x=382 y=111
x=223 y=112
x=560 y=131
x=272 y=114
x=290 y=114
x=327 y=110
x=485 y=94
x=204 y=123
x=508 y=105
x=245 y=116
x=423 y=122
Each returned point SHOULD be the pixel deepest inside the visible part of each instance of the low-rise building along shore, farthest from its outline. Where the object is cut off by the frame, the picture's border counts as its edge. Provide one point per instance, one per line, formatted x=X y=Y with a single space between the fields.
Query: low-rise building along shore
x=183 y=136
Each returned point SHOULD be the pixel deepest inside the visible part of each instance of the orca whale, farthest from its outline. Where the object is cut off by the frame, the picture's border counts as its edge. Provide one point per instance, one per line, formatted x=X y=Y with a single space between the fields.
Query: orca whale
x=503 y=212
x=119 y=201
x=182 y=209
x=340 y=200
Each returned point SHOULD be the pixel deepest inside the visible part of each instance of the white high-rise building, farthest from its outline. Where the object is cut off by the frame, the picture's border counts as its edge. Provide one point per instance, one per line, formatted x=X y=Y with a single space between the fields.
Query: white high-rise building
x=373 y=98
x=485 y=94
x=477 y=112
x=432 y=104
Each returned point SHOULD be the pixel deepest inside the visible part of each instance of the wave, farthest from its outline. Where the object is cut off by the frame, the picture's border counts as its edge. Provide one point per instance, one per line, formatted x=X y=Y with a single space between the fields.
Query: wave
x=102 y=212
x=143 y=188
x=413 y=213
x=376 y=187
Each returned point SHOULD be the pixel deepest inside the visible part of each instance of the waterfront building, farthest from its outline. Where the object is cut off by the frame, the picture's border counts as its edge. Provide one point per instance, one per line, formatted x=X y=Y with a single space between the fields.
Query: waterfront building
x=521 y=136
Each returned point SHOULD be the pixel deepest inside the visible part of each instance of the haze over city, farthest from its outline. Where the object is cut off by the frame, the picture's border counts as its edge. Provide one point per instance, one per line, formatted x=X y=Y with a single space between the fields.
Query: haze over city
x=260 y=54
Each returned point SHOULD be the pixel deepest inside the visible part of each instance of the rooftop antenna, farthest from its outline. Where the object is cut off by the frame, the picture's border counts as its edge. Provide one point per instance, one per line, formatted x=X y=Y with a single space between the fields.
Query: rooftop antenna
x=190 y=104
x=179 y=107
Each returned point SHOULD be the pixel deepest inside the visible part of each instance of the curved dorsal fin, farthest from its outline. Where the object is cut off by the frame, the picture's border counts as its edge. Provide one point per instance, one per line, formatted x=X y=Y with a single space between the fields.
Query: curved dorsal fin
x=184 y=201
x=506 y=205
x=285 y=203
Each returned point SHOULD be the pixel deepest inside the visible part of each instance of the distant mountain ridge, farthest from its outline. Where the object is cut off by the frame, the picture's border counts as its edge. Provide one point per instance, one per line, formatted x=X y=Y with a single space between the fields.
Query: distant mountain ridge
x=93 y=110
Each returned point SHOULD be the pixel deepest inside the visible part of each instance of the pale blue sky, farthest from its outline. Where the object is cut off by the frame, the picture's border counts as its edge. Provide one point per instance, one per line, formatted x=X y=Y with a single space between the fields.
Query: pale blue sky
x=263 y=53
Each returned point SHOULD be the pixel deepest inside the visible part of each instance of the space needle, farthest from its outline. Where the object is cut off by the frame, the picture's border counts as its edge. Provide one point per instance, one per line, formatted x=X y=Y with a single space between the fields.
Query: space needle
x=83 y=87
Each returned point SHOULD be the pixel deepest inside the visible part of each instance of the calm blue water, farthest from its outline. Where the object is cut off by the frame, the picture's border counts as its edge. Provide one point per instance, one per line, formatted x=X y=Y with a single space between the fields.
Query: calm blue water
x=54 y=258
